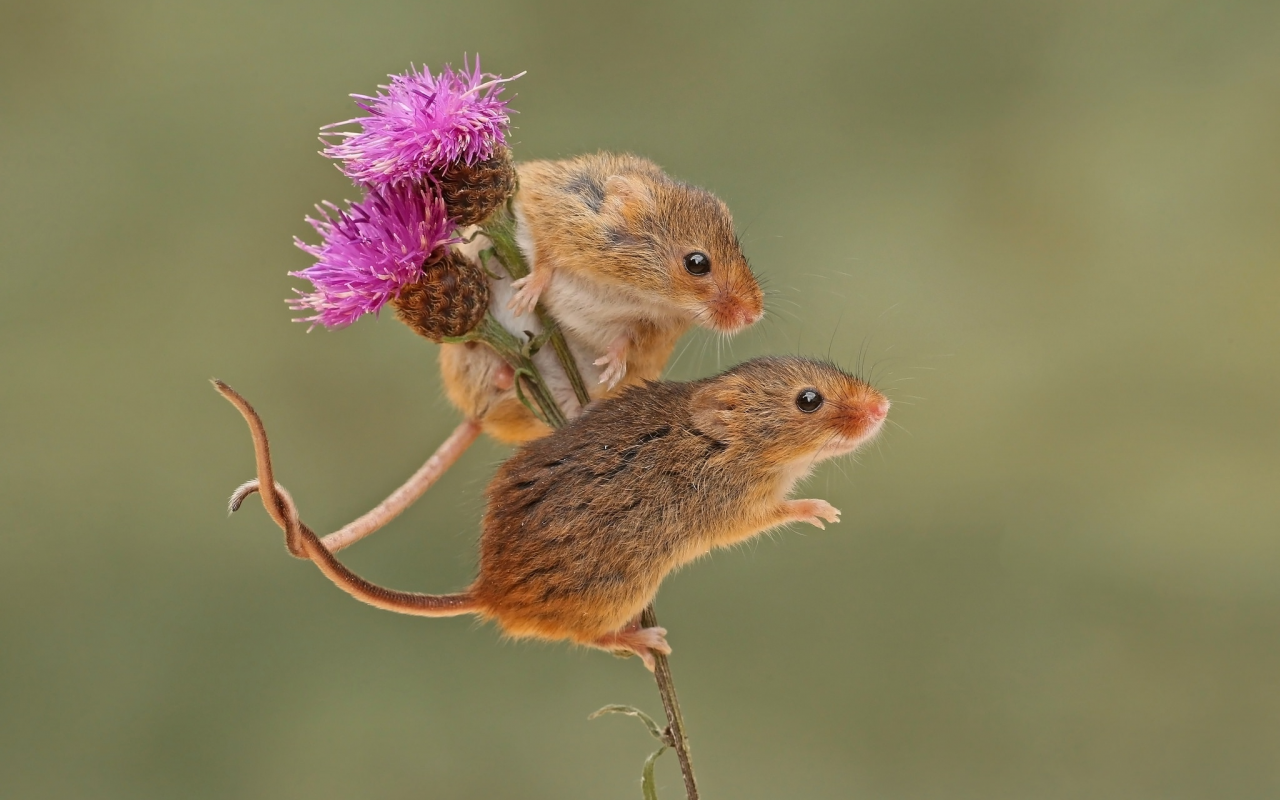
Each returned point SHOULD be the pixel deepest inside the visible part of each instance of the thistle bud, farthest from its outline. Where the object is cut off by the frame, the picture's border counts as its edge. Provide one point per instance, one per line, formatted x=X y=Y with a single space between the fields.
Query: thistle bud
x=449 y=299
x=472 y=192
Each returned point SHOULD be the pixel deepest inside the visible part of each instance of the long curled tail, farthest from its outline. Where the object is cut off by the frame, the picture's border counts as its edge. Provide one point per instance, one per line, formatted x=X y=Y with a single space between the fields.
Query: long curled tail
x=417 y=484
x=303 y=542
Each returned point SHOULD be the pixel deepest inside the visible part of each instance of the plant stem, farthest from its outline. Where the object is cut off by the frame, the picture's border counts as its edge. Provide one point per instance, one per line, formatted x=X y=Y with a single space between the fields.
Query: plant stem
x=501 y=230
x=671 y=705
x=514 y=352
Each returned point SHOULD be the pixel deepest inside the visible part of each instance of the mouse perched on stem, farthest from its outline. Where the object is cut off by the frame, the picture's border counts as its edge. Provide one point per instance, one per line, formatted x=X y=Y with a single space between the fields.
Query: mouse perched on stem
x=582 y=526
x=625 y=259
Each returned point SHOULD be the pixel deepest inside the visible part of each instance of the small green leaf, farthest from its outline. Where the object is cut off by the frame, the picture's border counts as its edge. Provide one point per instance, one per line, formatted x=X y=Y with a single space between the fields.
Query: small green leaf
x=485 y=255
x=535 y=343
x=631 y=711
x=646 y=778
x=524 y=373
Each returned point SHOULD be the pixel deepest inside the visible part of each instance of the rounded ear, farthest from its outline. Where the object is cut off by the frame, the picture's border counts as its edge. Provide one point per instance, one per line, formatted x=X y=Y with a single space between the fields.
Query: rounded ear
x=711 y=410
x=626 y=196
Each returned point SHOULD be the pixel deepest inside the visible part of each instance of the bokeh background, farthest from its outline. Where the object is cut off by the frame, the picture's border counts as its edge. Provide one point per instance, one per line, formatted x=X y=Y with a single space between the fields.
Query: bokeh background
x=1053 y=228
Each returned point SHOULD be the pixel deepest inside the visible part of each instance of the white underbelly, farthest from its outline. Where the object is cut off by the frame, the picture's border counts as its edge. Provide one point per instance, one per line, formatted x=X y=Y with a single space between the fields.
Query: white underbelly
x=584 y=352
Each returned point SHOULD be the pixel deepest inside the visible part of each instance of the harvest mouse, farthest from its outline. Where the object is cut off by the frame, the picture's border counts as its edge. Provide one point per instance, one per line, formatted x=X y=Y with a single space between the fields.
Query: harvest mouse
x=582 y=525
x=625 y=259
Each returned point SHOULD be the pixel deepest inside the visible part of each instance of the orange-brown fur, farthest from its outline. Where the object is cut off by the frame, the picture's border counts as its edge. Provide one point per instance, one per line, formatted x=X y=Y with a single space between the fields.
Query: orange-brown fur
x=582 y=526
x=608 y=234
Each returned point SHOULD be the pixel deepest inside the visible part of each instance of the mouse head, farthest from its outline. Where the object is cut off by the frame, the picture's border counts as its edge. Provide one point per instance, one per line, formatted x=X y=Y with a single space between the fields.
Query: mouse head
x=789 y=411
x=685 y=240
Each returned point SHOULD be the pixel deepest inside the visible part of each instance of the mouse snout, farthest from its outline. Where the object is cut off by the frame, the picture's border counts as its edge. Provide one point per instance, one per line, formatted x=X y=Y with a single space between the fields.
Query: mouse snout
x=864 y=414
x=730 y=312
x=878 y=409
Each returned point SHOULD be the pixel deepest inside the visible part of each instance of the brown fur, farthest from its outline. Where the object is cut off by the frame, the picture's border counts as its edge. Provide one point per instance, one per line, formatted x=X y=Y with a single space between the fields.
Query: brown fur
x=583 y=525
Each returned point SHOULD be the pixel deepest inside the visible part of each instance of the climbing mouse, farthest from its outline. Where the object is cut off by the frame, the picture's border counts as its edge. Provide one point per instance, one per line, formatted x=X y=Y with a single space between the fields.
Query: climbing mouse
x=625 y=259
x=582 y=526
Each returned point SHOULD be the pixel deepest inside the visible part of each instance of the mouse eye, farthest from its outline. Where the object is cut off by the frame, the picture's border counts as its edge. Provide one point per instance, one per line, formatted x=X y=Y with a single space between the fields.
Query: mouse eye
x=697 y=263
x=809 y=401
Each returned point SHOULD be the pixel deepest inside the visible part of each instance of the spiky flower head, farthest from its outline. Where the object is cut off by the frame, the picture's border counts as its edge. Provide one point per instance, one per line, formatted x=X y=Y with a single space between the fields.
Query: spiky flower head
x=370 y=252
x=422 y=125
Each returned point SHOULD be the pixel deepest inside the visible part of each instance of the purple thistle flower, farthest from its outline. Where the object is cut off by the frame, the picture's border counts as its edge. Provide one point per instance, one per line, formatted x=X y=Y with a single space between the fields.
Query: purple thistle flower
x=422 y=125
x=369 y=252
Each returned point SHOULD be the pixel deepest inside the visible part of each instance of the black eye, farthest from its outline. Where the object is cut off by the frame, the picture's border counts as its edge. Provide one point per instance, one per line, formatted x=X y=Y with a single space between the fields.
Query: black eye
x=697 y=263
x=809 y=401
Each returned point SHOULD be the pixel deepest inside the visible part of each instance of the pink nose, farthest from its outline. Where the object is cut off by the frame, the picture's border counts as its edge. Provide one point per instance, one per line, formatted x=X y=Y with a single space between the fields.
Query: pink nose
x=732 y=313
x=736 y=318
x=878 y=410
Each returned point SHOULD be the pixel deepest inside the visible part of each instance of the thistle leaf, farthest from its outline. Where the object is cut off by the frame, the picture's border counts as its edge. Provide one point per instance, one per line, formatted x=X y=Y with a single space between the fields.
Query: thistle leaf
x=654 y=730
x=646 y=777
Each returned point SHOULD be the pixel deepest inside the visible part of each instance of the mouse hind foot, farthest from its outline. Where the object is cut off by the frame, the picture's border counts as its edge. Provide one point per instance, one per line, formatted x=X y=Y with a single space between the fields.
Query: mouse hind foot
x=643 y=642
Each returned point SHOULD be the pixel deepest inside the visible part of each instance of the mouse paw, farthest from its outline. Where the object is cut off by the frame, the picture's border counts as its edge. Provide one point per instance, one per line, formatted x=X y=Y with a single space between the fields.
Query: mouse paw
x=811 y=511
x=614 y=370
x=644 y=642
x=614 y=362
x=528 y=289
x=653 y=639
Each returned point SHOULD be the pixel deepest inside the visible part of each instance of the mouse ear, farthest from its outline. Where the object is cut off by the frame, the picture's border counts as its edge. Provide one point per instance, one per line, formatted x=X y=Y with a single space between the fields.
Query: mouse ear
x=712 y=408
x=626 y=196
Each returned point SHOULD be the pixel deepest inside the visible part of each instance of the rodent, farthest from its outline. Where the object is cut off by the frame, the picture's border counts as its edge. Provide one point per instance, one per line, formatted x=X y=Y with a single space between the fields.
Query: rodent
x=581 y=526
x=625 y=259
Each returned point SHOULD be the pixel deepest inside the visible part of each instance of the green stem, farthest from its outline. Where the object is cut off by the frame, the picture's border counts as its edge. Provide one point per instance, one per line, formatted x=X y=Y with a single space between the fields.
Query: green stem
x=501 y=230
x=516 y=353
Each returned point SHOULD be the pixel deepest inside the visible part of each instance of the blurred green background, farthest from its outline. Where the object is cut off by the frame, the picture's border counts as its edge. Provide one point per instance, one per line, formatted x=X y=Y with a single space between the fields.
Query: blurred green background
x=1054 y=229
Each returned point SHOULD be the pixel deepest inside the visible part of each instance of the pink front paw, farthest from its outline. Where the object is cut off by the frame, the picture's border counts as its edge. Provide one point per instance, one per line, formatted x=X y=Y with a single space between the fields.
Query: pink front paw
x=528 y=290
x=615 y=369
x=812 y=512
x=504 y=377
x=614 y=362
